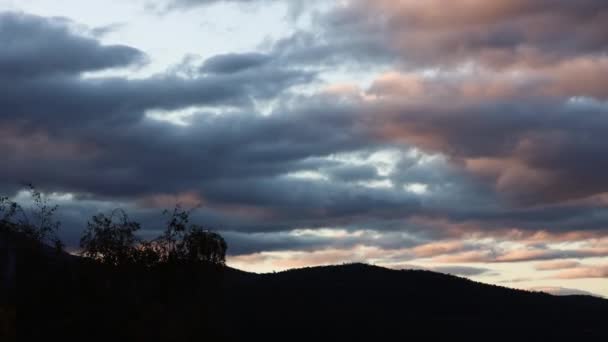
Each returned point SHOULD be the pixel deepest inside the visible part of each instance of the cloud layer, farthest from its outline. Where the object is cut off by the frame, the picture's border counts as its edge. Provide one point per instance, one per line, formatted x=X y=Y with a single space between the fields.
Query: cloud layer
x=477 y=137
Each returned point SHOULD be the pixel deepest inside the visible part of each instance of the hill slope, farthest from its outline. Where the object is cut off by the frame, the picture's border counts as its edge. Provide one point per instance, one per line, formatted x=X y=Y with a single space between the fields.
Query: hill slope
x=361 y=301
x=68 y=297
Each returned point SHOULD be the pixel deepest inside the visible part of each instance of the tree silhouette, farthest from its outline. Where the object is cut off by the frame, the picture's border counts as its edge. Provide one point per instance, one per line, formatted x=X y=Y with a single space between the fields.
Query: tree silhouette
x=183 y=242
x=111 y=239
x=37 y=223
x=205 y=246
x=8 y=209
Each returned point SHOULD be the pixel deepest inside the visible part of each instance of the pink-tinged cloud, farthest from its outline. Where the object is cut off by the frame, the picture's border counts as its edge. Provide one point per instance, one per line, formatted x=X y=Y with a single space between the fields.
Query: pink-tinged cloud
x=474 y=229
x=466 y=257
x=600 y=271
x=438 y=248
x=497 y=34
x=529 y=157
x=487 y=254
x=190 y=199
x=556 y=265
x=20 y=145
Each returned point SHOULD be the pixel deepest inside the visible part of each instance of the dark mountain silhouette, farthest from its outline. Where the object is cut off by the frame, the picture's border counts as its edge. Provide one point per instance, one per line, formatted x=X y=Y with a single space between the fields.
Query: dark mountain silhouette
x=361 y=301
x=69 y=297
x=176 y=287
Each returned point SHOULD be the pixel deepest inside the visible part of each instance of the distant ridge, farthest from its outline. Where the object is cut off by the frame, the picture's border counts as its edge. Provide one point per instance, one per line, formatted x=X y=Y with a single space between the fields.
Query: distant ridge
x=327 y=303
x=354 y=301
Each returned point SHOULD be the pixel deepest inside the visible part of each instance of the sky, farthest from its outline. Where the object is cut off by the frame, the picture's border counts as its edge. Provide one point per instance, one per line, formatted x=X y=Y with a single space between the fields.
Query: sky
x=462 y=136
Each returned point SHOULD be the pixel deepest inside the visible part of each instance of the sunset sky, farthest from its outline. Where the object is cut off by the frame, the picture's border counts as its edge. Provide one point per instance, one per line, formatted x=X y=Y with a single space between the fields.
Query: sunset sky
x=463 y=136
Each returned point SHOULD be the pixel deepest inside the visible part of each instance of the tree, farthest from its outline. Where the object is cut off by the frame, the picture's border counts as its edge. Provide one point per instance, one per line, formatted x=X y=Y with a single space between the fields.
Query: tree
x=38 y=223
x=111 y=239
x=8 y=209
x=190 y=243
x=205 y=246
x=41 y=224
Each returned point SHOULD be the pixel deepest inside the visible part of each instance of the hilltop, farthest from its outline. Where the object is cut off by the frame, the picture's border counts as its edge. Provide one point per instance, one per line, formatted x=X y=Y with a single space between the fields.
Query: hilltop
x=361 y=301
x=72 y=297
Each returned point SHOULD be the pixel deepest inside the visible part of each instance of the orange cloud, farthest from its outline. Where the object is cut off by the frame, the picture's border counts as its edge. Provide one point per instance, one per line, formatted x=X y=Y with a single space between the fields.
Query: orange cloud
x=438 y=248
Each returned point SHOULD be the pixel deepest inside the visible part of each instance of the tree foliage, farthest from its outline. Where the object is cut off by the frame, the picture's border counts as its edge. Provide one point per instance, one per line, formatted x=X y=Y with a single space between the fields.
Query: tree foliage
x=35 y=223
x=110 y=239
x=183 y=242
x=40 y=223
x=8 y=209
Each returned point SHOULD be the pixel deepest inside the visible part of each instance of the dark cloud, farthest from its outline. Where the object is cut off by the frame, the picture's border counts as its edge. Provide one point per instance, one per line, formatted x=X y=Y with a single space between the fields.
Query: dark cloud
x=352 y=173
x=462 y=270
x=478 y=151
x=38 y=47
x=231 y=63
x=535 y=150
x=245 y=243
x=95 y=137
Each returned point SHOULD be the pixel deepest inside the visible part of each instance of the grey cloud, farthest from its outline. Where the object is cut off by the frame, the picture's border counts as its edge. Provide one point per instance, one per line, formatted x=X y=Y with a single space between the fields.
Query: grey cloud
x=295 y=7
x=536 y=151
x=350 y=173
x=563 y=291
x=231 y=63
x=116 y=100
x=36 y=46
x=91 y=137
x=243 y=243
x=462 y=270
x=190 y=3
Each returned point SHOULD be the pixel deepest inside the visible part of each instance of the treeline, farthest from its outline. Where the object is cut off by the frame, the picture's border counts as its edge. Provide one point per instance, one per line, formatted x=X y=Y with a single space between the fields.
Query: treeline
x=122 y=288
x=111 y=239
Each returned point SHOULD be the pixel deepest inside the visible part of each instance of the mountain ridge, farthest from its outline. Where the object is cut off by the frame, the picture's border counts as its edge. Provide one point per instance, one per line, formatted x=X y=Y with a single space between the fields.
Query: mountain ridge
x=340 y=302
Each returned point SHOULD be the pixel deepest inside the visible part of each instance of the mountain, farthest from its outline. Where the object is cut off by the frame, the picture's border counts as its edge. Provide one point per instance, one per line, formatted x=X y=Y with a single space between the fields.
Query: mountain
x=70 y=298
x=361 y=301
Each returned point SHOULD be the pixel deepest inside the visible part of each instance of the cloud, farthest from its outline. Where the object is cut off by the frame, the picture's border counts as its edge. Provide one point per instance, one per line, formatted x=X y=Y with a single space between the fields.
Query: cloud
x=189 y=3
x=277 y=261
x=307 y=240
x=231 y=63
x=469 y=145
x=433 y=33
x=520 y=255
x=461 y=270
x=562 y=291
x=295 y=8
x=596 y=271
x=556 y=265
x=500 y=102
x=439 y=248
x=36 y=47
